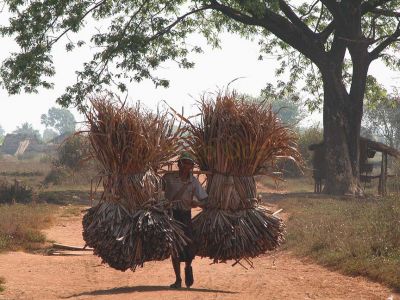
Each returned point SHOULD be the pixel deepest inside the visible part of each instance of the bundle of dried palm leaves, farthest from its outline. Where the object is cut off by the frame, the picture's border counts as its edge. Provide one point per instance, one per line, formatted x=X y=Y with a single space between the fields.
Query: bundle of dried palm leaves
x=130 y=225
x=234 y=141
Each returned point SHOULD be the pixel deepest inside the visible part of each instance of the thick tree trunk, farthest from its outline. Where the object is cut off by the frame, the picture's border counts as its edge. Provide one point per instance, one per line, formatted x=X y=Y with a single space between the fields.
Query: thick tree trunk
x=342 y=123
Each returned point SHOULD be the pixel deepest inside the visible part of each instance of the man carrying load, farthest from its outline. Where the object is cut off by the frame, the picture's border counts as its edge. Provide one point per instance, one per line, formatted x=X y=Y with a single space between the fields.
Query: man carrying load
x=180 y=188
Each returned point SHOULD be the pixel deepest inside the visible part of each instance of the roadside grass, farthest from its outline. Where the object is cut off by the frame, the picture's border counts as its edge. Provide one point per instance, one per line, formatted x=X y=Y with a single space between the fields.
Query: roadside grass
x=71 y=211
x=21 y=224
x=2 y=282
x=301 y=184
x=353 y=236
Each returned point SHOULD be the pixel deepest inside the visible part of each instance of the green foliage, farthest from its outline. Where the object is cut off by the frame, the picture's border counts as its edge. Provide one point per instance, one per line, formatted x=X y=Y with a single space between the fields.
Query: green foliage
x=15 y=192
x=21 y=174
x=308 y=136
x=375 y=93
x=382 y=113
x=288 y=107
x=21 y=225
x=49 y=134
x=355 y=237
x=142 y=35
x=72 y=153
x=1 y=132
x=60 y=119
x=27 y=130
x=56 y=176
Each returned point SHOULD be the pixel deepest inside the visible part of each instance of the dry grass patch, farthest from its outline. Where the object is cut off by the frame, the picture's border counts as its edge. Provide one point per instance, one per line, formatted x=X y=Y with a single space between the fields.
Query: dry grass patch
x=21 y=224
x=356 y=237
x=71 y=211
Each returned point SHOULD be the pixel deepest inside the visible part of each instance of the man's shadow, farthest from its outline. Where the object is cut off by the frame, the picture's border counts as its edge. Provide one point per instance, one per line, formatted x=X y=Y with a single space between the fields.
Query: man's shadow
x=144 y=288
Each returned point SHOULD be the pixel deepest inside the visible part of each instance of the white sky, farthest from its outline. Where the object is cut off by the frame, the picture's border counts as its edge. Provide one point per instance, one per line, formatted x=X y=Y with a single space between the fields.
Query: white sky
x=213 y=69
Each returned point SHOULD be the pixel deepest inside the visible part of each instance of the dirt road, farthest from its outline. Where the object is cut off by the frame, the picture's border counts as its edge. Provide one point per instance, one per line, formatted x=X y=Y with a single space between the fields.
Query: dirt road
x=82 y=276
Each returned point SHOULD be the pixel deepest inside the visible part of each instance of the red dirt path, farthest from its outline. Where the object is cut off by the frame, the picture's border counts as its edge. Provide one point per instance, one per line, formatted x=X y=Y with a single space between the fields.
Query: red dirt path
x=82 y=276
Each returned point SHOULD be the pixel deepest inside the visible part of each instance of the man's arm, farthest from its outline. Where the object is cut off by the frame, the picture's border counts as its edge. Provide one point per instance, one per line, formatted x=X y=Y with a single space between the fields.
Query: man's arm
x=201 y=195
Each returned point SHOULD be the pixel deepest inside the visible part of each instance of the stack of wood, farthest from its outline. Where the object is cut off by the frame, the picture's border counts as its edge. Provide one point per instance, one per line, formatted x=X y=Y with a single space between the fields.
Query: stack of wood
x=234 y=141
x=130 y=225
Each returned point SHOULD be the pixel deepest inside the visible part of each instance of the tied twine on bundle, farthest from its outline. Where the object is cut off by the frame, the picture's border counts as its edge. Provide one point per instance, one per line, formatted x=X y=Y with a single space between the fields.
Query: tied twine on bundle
x=229 y=192
x=233 y=226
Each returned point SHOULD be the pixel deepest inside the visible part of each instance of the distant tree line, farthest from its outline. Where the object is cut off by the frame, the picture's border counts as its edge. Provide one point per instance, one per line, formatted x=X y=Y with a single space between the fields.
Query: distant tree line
x=58 y=121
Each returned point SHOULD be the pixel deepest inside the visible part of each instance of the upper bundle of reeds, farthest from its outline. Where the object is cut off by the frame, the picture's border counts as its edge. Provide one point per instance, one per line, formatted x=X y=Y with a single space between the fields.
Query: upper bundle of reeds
x=130 y=224
x=234 y=141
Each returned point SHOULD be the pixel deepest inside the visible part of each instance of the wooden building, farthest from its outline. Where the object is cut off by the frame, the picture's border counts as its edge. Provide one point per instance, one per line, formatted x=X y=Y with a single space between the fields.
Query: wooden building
x=368 y=149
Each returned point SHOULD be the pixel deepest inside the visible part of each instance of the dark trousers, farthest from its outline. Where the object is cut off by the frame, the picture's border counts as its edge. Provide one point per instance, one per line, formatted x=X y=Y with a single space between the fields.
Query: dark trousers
x=185 y=217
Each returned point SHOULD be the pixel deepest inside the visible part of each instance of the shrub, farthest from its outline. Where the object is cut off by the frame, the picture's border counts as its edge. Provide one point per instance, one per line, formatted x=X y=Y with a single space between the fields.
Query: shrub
x=56 y=176
x=306 y=137
x=73 y=152
x=15 y=192
x=46 y=158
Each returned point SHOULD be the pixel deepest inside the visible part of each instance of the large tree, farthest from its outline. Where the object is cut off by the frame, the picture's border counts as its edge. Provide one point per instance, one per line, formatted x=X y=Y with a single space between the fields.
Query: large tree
x=335 y=40
x=60 y=119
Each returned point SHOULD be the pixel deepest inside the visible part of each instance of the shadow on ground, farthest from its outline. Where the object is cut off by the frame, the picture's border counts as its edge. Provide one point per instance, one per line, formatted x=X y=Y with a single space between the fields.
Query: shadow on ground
x=144 y=288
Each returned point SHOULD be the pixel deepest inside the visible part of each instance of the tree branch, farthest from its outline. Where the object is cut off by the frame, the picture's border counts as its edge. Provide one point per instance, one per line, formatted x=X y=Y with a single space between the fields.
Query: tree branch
x=291 y=15
x=310 y=9
x=374 y=54
x=280 y=26
x=319 y=18
x=368 y=6
x=335 y=10
x=179 y=19
x=97 y=5
x=324 y=34
x=385 y=12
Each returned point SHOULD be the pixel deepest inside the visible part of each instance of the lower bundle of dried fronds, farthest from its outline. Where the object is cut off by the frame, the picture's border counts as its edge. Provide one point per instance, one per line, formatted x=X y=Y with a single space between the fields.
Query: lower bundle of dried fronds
x=234 y=226
x=237 y=235
x=125 y=240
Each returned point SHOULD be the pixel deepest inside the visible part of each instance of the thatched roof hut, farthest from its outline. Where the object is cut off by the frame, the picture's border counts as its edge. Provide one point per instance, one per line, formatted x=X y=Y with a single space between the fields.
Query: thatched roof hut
x=18 y=143
x=368 y=148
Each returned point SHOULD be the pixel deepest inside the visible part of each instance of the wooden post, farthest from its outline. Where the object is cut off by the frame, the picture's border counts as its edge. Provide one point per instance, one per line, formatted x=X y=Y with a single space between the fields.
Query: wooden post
x=383 y=175
x=380 y=178
x=385 y=165
x=16 y=190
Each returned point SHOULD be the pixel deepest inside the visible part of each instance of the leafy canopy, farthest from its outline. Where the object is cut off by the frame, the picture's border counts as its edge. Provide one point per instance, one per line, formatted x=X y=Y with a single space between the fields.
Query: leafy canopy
x=2 y=131
x=142 y=34
x=382 y=113
x=27 y=130
x=49 y=134
x=60 y=119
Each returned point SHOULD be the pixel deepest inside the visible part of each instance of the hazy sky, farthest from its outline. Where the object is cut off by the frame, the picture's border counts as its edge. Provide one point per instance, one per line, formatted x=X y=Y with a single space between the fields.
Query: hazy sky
x=213 y=69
